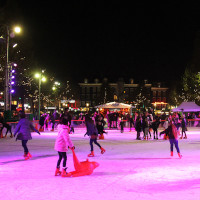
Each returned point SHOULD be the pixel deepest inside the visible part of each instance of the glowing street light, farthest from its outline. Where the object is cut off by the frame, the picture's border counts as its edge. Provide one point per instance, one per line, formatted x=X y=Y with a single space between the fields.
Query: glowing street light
x=17 y=29
x=41 y=79
x=8 y=87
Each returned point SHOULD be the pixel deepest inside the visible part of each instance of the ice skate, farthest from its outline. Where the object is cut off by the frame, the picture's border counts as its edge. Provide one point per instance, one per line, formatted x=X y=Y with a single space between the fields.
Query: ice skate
x=179 y=155
x=102 y=150
x=27 y=156
x=185 y=137
x=181 y=137
x=57 y=172
x=91 y=154
x=172 y=153
x=64 y=173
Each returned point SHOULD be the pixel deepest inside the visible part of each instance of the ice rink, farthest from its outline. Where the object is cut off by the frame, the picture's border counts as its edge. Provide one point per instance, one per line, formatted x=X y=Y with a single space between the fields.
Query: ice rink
x=129 y=169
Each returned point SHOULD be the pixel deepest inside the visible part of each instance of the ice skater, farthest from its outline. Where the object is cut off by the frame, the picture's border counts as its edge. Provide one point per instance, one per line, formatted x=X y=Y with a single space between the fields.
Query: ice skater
x=183 y=127
x=121 y=124
x=9 y=129
x=93 y=133
x=172 y=132
x=23 y=133
x=62 y=143
x=155 y=126
x=138 y=127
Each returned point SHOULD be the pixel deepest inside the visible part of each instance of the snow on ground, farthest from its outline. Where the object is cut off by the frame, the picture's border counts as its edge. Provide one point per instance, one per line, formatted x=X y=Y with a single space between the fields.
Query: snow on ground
x=129 y=169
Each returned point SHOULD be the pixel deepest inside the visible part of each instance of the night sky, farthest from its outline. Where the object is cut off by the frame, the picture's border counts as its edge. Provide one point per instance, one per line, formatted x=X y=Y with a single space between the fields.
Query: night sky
x=113 y=39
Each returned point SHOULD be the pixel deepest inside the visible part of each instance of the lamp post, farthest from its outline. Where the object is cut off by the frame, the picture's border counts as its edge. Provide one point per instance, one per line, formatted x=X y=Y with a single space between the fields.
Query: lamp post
x=55 y=87
x=8 y=69
x=41 y=78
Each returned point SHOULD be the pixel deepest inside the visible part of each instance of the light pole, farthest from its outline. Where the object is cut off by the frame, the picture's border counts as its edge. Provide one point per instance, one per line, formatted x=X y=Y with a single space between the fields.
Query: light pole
x=8 y=69
x=41 y=78
x=55 y=87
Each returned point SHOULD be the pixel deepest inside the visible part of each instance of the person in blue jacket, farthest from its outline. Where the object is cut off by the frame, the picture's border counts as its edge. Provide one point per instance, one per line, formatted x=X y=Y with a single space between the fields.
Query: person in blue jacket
x=23 y=132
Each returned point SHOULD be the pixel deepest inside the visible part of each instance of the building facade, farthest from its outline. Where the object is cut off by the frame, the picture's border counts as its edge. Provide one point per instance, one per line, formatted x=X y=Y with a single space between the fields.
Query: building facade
x=140 y=94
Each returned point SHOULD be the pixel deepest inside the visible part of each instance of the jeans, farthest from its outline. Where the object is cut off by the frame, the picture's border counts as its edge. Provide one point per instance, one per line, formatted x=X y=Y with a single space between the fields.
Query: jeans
x=95 y=141
x=174 y=142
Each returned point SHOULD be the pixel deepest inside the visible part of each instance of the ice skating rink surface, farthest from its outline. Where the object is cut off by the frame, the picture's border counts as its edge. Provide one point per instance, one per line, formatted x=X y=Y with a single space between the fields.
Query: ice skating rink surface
x=129 y=169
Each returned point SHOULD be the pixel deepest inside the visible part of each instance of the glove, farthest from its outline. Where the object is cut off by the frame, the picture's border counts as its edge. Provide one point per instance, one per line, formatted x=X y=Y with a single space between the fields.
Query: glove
x=72 y=148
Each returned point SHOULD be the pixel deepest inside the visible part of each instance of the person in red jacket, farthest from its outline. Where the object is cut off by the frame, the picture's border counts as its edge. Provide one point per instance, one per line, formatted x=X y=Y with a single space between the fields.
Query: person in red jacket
x=172 y=132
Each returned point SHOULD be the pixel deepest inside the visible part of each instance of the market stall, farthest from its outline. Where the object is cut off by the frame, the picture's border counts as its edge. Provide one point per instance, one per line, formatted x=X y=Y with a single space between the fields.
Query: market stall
x=187 y=107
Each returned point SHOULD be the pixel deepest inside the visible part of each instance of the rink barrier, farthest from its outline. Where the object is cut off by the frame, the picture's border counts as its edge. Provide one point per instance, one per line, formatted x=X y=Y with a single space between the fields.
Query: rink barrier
x=81 y=124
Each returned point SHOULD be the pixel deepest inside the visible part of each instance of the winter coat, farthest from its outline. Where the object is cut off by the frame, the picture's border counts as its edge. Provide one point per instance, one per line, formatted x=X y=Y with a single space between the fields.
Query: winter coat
x=155 y=125
x=171 y=131
x=23 y=129
x=91 y=130
x=138 y=125
x=63 y=140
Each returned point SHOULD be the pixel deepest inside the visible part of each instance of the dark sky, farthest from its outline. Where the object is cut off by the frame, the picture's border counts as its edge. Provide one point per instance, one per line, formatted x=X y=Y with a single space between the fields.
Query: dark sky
x=93 y=39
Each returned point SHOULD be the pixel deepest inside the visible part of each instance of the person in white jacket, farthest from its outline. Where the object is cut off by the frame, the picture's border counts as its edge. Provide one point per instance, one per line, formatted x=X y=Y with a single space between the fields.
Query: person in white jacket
x=63 y=142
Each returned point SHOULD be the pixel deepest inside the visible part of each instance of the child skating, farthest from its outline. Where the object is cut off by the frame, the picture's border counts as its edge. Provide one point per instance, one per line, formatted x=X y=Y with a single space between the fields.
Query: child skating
x=172 y=132
x=24 y=134
x=62 y=143
x=93 y=133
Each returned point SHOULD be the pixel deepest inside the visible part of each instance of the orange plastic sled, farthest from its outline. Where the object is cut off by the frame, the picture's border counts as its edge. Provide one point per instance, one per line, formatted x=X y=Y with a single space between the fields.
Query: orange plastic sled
x=82 y=168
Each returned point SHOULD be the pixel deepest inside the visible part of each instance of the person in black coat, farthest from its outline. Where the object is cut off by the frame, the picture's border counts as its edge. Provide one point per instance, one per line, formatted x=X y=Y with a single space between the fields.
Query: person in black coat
x=155 y=126
x=138 y=127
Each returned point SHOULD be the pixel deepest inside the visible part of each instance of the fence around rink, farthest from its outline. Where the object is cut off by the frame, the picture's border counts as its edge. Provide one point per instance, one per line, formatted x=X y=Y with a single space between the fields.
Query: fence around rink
x=81 y=124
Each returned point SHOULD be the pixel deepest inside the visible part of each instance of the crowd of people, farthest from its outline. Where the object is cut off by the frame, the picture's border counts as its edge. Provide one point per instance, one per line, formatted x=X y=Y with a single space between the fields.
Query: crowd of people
x=146 y=123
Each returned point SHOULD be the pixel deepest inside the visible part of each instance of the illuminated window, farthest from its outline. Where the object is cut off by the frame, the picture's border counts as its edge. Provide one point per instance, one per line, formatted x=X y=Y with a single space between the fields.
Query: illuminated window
x=115 y=97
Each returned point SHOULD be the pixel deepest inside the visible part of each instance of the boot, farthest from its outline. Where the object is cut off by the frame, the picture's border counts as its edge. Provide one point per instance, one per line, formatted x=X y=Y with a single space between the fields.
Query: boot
x=64 y=173
x=57 y=172
x=179 y=155
x=185 y=137
x=102 y=150
x=27 y=156
x=181 y=137
x=52 y=129
x=171 y=153
x=91 y=154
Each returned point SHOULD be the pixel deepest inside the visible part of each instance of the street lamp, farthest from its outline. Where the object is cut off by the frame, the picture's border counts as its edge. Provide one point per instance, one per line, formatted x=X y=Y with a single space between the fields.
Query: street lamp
x=55 y=88
x=41 y=78
x=8 y=90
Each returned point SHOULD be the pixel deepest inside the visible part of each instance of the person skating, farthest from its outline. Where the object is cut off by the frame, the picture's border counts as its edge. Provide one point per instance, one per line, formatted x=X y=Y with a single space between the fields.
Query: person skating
x=93 y=133
x=155 y=126
x=172 y=132
x=9 y=129
x=183 y=127
x=131 y=122
x=100 y=123
x=138 y=127
x=23 y=132
x=121 y=124
x=62 y=143
x=41 y=123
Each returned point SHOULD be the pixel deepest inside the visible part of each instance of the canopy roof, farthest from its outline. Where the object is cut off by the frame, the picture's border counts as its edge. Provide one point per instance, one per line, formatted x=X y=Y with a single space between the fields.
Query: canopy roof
x=114 y=105
x=187 y=107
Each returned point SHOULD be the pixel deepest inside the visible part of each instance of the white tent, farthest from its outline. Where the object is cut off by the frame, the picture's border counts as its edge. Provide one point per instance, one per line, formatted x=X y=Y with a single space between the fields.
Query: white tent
x=115 y=105
x=187 y=107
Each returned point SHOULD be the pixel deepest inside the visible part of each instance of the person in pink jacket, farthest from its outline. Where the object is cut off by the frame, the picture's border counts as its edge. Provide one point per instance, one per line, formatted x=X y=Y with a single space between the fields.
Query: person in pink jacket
x=63 y=142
